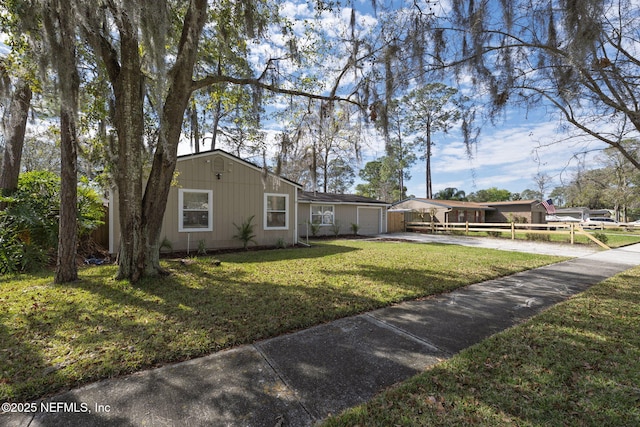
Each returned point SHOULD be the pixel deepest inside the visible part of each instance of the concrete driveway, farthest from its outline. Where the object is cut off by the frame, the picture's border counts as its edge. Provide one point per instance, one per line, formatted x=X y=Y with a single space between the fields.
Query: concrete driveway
x=559 y=249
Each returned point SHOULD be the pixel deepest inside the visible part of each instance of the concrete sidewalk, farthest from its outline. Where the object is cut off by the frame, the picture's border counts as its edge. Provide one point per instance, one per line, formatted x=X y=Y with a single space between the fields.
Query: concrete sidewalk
x=299 y=379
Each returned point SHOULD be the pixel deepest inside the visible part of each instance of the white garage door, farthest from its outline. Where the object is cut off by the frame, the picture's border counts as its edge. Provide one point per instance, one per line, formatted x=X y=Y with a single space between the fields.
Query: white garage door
x=369 y=221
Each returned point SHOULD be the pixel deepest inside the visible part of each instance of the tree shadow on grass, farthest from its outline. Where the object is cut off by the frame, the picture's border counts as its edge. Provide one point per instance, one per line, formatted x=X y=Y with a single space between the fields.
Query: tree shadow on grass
x=576 y=364
x=317 y=250
x=111 y=328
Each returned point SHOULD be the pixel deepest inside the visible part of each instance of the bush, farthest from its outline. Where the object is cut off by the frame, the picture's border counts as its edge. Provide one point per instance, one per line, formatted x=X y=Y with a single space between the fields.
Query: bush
x=536 y=237
x=494 y=233
x=335 y=228
x=355 y=228
x=245 y=232
x=602 y=237
x=17 y=253
x=29 y=224
x=202 y=247
x=315 y=229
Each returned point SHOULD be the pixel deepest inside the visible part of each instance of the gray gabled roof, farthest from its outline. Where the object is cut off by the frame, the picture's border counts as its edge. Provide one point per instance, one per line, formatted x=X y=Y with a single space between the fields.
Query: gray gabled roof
x=315 y=197
x=447 y=204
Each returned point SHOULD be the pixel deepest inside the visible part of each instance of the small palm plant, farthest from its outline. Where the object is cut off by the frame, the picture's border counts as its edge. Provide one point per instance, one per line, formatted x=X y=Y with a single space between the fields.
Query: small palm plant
x=245 y=232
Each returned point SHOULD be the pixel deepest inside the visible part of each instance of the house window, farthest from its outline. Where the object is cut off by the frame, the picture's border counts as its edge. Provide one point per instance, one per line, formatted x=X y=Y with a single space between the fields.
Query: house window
x=322 y=215
x=195 y=210
x=276 y=215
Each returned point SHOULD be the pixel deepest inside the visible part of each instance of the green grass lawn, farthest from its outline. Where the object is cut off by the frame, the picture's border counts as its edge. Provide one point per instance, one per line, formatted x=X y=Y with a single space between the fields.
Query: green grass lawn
x=577 y=364
x=58 y=336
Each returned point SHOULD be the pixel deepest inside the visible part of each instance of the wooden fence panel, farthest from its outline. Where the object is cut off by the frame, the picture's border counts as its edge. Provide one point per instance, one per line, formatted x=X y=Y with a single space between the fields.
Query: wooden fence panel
x=395 y=222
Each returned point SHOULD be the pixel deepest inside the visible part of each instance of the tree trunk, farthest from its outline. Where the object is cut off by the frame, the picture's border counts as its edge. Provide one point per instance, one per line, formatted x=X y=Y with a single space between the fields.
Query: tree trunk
x=15 y=124
x=156 y=193
x=66 y=267
x=325 y=171
x=428 y=165
x=60 y=31
x=195 y=128
x=128 y=121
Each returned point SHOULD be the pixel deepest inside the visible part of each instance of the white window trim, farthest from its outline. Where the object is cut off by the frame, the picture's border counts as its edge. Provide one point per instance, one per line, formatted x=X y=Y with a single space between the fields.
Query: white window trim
x=286 y=211
x=322 y=224
x=181 y=227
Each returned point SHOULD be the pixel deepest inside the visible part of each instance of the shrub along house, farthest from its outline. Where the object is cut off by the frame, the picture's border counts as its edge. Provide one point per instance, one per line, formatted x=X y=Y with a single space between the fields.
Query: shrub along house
x=334 y=214
x=215 y=190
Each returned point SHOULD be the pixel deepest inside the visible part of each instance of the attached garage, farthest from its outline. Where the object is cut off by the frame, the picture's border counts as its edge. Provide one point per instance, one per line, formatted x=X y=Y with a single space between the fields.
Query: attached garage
x=335 y=214
x=370 y=221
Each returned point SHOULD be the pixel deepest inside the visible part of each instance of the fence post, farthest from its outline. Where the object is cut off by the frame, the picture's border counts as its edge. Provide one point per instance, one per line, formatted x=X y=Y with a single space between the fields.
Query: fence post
x=513 y=231
x=572 y=232
x=466 y=228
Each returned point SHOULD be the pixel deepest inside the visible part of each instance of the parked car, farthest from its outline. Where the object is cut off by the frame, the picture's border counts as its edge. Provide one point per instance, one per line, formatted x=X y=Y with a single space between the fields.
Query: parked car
x=635 y=223
x=594 y=223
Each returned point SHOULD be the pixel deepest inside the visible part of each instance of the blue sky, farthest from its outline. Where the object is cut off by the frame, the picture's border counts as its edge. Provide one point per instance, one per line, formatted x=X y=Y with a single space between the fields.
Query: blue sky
x=506 y=155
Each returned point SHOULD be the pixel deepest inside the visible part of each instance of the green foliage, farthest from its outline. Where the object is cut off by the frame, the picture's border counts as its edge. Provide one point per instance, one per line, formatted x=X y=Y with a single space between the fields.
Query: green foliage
x=451 y=193
x=17 y=252
x=89 y=325
x=340 y=176
x=494 y=233
x=354 y=228
x=202 y=247
x=245 y=232
x=382 y=183
x=315 y=228
x=537 y=237
x=166 y=244
x=90 y=208
x=492 y=194
x=30 y=222
x=518 y=219
x=602 y=237
x=335 y=228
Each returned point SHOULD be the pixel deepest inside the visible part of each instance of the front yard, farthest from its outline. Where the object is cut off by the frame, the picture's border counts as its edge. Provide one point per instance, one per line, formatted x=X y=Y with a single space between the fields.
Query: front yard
x=57 y=336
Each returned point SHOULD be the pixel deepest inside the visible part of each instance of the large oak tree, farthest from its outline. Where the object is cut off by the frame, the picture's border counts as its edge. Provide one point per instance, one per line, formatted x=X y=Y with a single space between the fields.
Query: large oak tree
x=130 y=40
x=580 y=59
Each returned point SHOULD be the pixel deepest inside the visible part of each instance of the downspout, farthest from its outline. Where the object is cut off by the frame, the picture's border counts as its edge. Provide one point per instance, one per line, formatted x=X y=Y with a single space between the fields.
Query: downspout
x=295 y=214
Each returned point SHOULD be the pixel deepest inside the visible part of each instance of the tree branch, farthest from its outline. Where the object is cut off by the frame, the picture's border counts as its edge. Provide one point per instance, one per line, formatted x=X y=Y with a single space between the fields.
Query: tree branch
x=216 y=79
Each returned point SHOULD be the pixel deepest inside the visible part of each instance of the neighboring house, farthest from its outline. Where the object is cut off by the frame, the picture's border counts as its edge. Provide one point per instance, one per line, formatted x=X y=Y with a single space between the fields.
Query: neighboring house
x=524 y=211
x=445 y=211
x=333 y=212
x=215 y=190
